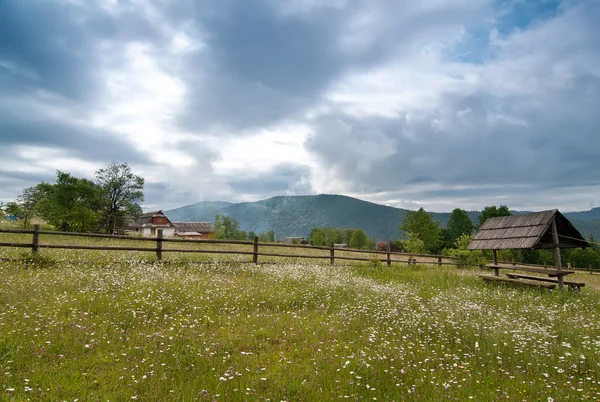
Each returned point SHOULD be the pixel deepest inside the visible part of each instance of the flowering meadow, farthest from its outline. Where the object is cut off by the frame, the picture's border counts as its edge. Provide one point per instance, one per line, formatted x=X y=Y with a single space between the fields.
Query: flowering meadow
x=118 y=327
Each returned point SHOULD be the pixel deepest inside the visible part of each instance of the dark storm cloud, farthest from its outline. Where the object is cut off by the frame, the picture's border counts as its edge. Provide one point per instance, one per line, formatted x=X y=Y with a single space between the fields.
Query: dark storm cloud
x=547 y=143
x=265 y=66
x=54 y=45
x=262 y=68
x=13 y=176
x=76 y=140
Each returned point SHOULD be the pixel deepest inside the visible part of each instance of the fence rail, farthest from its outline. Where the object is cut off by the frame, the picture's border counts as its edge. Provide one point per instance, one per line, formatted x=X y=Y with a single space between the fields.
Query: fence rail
x=159 y=249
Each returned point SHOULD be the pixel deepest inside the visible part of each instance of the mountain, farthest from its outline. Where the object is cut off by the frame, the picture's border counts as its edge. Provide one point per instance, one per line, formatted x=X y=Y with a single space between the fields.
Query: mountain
x=297 y=215
x=201 y=212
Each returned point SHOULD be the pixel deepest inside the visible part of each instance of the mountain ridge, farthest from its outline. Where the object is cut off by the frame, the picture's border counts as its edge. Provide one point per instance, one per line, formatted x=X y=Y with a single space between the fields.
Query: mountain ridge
x=297 y=215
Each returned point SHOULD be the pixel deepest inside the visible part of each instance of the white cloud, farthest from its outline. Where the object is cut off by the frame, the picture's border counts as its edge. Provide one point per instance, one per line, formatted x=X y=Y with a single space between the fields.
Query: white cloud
x=405 y=103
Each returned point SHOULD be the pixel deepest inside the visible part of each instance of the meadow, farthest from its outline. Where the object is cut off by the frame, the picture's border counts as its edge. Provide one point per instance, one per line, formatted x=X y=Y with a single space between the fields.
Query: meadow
x=119 y=326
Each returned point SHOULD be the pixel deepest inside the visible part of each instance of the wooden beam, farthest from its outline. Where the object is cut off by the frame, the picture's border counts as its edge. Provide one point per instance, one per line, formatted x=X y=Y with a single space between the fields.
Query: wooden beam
x=557 y=257
x=520 y=282
x=495 y=258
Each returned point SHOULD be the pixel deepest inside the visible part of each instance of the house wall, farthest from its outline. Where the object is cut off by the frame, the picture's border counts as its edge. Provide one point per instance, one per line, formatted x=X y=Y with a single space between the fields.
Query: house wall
x=167 y=232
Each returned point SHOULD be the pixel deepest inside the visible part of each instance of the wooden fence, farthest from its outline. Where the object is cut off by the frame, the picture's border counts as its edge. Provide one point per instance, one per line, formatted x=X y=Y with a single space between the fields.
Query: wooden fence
x=157 y=248
x=159 y=241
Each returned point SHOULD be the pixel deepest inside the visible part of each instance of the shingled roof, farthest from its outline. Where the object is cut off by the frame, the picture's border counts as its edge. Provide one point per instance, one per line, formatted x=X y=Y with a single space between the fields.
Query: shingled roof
x=191 y=227
x=527 y=231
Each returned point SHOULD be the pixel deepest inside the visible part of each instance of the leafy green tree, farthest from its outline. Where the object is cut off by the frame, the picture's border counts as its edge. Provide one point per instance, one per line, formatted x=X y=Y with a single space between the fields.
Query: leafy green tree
x=347 y=235
x=268 y=237
x=13 y=208
x=251 y=235
x=25 y=205
x=466 y=257
x=582 y=258
x=420 y=225
x=333 y=235
x=123 y=193
x=445 y=240
x=413 y=244
x=459 y=224
x=545 y=257
x=359 y=240
x=317 y=237
x=226 y=228
x=492 y=212
x=71 y=204
x=595 y=245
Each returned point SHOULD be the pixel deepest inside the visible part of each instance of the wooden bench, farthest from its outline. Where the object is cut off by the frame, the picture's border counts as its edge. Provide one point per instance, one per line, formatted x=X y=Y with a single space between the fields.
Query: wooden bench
x=572 y=285
x=531 y=280
x=548 y=271
x=493 y=278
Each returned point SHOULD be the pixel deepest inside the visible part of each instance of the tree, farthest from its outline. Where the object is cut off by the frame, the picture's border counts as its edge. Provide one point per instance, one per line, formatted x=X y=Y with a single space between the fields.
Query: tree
x=420 y=224
x=25 y=205
x=123 y=191
x=595 y=245
x=333 y=235
x=268 y=237
x=317 y=237
x=492 y=212
x=459 y=224
x=359 y=240
x=347 y=235
x=226 y=228
x=71 y=204
x=413 y=244
x=466 y=257
x=13 y=208
x=582 y=258
x=445 y=240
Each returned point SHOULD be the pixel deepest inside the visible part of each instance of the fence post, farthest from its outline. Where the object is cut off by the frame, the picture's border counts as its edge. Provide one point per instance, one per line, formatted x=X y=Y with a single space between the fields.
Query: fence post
x=439 y=262
x=332 y=255
x=159 y=244
x=389 y=260
x=35 y=245
x=590 y=269
x=255 y=255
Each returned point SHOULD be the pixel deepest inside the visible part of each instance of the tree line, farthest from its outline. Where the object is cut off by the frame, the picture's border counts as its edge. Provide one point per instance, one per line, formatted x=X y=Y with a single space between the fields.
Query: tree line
x=81 y=205
x=228 y=228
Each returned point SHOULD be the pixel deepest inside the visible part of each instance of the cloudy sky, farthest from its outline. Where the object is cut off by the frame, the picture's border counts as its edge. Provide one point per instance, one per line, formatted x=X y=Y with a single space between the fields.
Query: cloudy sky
x=433 y=103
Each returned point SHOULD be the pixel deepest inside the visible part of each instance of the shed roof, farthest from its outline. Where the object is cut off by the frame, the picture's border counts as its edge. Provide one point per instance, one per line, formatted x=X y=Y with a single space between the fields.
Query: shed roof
x=527 y=231
x=144 y=220
x=198 y=227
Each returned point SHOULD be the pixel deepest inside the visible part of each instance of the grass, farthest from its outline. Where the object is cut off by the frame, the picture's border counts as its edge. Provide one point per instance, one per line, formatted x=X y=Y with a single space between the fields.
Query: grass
x=117 y=326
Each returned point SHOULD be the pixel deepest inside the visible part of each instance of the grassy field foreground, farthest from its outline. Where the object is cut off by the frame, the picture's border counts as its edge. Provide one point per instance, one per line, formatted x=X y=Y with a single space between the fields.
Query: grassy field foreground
x=290 y=331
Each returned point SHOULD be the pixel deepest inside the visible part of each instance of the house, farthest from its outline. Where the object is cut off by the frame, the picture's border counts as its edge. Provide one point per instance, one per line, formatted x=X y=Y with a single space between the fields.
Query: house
x=194 y=230
x=149 y=223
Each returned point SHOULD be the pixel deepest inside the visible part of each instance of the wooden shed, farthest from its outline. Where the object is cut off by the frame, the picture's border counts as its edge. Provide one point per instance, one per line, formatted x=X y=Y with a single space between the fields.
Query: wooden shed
x=538 y=230
x=194 y=230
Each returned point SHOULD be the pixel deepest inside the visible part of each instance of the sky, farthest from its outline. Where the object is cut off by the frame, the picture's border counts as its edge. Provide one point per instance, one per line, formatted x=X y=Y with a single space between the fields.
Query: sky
x=417 y=103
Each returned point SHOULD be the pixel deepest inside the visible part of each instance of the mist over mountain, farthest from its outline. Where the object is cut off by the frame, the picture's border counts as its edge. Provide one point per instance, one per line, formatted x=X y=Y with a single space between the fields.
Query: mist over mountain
x=297 y=215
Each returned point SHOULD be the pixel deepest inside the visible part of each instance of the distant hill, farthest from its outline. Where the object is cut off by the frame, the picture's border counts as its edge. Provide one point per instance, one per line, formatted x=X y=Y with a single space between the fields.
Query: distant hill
x=201 y=212
x=297 y=215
